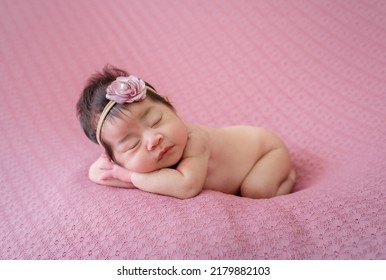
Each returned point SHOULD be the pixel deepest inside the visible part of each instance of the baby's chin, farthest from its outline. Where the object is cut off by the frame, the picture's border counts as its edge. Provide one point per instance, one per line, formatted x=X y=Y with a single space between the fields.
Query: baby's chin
x=170 y=160
x=170 y=163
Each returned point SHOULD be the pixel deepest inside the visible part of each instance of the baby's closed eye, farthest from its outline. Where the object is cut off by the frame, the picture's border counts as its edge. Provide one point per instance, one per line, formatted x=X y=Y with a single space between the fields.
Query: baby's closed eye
x=155 y=121
x=129 y=145
x=133 y=144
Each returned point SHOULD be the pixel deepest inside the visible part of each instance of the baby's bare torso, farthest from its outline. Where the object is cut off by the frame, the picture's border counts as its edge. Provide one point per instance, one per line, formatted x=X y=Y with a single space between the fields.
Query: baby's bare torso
x=233 y=152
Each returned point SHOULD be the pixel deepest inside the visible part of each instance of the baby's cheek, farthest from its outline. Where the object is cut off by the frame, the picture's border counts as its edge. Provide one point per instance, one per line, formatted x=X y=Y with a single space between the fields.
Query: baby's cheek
x=129 y=164
x=140 y=164
x=118 y=159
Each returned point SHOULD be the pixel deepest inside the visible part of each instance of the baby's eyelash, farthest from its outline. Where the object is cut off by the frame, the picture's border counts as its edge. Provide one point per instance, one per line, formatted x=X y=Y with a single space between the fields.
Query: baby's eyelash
x=134 y=146
x=157 y=121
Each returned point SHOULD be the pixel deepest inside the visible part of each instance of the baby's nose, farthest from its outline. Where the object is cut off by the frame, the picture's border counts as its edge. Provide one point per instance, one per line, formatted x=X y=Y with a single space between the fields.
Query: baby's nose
x=154 y=141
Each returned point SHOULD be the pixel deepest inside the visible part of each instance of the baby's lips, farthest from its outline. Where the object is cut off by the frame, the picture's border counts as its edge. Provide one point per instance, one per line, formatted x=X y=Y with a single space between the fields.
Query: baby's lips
x=163 y=152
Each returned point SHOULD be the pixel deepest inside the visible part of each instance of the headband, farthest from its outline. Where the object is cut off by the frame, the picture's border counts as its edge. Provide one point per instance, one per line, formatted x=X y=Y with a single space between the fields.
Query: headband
x=123 y=90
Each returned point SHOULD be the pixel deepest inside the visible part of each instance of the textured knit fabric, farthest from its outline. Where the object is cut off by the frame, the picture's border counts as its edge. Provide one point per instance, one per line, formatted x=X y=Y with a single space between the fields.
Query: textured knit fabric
x=313 y=72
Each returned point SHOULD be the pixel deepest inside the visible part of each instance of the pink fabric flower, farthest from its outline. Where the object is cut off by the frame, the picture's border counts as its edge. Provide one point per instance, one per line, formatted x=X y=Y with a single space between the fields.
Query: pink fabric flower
x=126 y=90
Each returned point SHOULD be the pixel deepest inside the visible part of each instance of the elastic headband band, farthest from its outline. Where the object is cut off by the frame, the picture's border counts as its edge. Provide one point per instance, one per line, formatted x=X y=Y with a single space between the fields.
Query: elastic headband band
x=102 y=118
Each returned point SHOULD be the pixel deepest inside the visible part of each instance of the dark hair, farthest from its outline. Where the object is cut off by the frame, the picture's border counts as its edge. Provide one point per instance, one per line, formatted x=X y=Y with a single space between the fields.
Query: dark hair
x=93 y=100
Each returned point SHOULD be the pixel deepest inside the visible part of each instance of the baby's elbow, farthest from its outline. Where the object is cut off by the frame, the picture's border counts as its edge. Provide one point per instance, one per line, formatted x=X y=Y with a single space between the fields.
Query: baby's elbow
x=93 y=175
x=189 y=191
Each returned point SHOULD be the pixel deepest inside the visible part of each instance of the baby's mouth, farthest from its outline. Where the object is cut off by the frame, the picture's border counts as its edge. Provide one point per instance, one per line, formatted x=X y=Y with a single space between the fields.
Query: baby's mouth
x=163 y=152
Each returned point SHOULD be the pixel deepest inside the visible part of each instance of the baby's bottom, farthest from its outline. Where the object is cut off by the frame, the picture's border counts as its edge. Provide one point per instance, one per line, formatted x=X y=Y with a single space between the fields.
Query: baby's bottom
x=271 y=175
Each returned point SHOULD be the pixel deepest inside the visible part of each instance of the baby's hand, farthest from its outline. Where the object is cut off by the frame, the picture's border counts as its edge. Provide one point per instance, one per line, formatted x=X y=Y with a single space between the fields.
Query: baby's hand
x=112 y=170
x=105 y=172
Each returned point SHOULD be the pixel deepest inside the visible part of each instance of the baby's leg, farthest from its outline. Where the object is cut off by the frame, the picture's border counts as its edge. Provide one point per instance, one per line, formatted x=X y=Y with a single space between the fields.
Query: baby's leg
x=271 y=175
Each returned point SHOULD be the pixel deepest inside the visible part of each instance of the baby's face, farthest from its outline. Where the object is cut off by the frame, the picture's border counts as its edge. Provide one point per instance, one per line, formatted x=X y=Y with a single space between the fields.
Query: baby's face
x=147 y=137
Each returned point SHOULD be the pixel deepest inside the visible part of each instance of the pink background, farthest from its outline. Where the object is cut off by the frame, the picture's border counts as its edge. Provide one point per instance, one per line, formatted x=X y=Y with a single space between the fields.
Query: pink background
x=311 y=71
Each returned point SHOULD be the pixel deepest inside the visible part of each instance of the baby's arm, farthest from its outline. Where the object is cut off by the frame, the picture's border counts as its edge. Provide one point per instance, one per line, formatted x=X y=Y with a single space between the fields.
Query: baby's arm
x=185 y=181
x=188 y=179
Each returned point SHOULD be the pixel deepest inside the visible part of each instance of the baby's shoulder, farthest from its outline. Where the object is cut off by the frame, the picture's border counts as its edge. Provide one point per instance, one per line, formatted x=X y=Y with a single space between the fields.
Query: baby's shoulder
x=198 y=139
x=198 y=131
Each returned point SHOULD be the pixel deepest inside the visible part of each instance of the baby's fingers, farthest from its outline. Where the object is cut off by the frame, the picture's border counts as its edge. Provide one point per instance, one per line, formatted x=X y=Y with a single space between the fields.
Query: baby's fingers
x=122 y=174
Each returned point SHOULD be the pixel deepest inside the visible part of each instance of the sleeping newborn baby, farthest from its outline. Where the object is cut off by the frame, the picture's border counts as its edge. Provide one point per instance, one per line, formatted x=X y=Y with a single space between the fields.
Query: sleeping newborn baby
x=149 y=147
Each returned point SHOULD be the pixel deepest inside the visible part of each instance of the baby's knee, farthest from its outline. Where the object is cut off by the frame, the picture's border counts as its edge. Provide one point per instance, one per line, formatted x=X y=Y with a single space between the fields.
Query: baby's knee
x=287 y=185
x=259 y=189
x=267 y=187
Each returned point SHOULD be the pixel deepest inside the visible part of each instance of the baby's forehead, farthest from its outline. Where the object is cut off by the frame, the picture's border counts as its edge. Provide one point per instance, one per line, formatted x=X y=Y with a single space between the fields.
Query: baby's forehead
x=139 y=110
x=122 y=118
